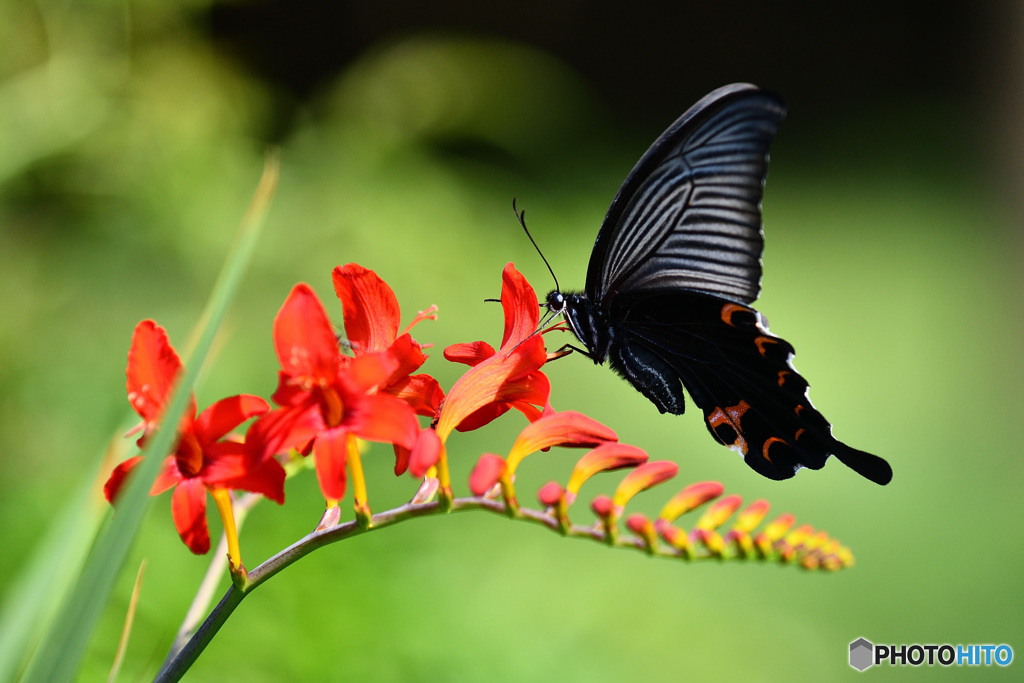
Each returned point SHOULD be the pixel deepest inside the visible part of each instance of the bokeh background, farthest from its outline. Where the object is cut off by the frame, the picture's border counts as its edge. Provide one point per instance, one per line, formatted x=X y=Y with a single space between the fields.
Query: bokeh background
x=132 y=135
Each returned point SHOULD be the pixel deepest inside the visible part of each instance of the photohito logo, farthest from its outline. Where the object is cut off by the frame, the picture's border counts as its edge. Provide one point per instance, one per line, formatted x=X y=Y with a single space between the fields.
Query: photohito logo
x=864 y=653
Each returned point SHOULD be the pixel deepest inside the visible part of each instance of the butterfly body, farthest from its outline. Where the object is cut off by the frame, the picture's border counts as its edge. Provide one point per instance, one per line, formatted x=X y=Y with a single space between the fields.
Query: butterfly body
x=674 y=269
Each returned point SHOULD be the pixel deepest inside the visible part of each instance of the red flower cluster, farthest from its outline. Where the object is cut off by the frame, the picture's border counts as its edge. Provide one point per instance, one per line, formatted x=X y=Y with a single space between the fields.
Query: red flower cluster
x=327 y=399
x=332 y=392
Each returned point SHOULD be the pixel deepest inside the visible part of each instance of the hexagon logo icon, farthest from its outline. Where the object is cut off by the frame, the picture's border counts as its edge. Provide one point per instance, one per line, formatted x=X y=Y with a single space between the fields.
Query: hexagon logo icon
x=861 y=654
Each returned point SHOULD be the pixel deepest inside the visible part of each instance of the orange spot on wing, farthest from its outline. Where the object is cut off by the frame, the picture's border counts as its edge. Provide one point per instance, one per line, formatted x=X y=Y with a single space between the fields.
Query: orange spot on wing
x=728 y=310
x=761 y=341
x=731 y=416
x=782 y=376
x=767 y=445
x=799 y=433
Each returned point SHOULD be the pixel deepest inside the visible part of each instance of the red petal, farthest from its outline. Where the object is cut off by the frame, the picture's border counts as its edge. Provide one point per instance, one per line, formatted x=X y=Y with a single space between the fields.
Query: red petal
x=330 y=452
x=527 y=357
x=402 y=457
x=380 y=417
x=472 y=353
x=482 y=416
x=153 y=367
x=425 y=453
x=224 y=461
x=282 y=429
x=371 y=310
x=169 y=476
x=233 y=467
x=288 y=392
x=409 y=355
x=531 y=412
x=522 y=312
x=498 y=380
x=533 y=388
x=640 y=525
x=117 y=478
x=368 y=371
x=303 y=338
x=421 y=392
x=226 y=414
x=188 y=508
x=602 y=506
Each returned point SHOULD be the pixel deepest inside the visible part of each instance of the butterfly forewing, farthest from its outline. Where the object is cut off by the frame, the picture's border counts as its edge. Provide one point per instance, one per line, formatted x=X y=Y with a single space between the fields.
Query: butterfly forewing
x=688 y=215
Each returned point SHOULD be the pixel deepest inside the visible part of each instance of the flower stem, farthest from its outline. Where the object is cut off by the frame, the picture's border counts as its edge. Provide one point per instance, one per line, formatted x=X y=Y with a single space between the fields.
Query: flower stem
x=177 y=665
x=176 y=668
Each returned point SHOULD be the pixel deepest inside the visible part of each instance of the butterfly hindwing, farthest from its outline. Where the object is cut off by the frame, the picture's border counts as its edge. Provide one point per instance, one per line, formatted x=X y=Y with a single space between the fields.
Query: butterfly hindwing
x=739 y=374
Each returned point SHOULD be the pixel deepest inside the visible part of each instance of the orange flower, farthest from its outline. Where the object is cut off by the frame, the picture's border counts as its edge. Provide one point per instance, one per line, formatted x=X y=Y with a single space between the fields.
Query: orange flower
x=508 y=378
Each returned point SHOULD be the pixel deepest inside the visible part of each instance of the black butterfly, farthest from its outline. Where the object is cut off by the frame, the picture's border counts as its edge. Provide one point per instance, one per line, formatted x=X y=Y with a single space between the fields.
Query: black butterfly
x=674 y=267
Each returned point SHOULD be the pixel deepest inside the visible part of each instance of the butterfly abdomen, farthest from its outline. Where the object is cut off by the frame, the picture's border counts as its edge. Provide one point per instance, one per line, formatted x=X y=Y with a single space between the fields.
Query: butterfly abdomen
x=650 y=374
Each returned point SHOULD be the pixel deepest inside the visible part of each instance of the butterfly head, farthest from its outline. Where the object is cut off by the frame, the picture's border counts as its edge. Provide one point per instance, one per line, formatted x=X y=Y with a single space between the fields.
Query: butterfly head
x=556 y=302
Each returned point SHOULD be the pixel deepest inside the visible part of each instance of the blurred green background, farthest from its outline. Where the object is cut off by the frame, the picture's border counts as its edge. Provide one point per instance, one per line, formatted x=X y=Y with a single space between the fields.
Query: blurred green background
x=132 y=136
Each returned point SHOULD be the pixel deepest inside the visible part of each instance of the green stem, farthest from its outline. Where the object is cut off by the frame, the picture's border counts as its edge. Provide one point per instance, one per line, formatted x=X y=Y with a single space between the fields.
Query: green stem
x=176 y=668
x=178 y=663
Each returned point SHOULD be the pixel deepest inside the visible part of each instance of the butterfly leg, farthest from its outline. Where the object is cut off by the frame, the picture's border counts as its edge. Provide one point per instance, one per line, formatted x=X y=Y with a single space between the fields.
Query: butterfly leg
x=566 y=349
x=651 y=375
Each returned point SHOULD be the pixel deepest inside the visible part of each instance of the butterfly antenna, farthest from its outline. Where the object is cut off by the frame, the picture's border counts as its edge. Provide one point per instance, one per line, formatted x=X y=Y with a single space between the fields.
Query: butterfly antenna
x=521 y=217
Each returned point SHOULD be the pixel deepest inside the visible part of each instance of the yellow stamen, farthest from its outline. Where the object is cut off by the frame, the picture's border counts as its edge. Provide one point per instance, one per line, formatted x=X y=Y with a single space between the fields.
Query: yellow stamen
x=222 y=498
x=355 y=470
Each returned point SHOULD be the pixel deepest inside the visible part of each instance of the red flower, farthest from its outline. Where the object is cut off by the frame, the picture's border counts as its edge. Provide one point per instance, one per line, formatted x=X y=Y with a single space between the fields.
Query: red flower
x=205 y=457
x=372 y=319
x=508 y=378
x=327 y=399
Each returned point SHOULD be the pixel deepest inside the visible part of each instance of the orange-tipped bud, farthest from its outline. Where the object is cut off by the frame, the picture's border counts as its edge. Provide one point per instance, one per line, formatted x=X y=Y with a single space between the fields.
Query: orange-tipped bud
x=642 y=526
x=604 y=458
x=752 y=516
x=602 y=506
x=693 y=496
x=567 y=428
x=550 y=493
x=642 y=478
x=719 y=512
x=488 y=471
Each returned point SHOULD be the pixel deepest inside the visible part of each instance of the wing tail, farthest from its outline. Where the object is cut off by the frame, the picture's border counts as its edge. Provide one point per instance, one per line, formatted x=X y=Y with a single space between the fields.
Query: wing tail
x=865 y=464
